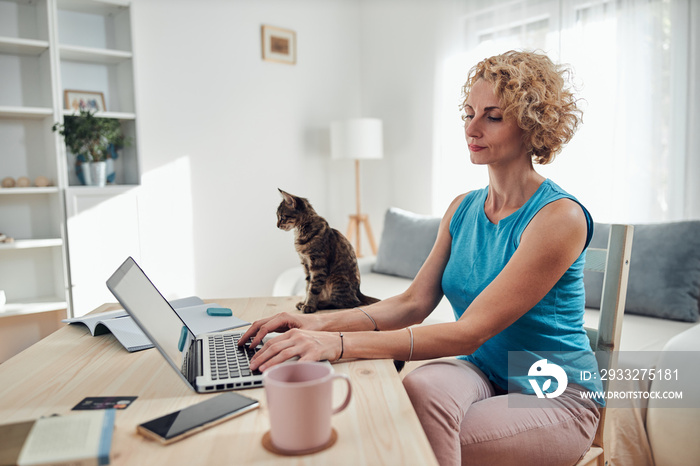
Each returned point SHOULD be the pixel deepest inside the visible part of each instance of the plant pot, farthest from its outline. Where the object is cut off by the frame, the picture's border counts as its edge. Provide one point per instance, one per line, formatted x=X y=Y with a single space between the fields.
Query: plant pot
x=86 y=175
x=95 y=173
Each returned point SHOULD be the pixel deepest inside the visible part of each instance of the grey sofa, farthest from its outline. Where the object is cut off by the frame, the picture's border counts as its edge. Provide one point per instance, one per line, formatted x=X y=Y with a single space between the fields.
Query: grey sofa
x=661 y=315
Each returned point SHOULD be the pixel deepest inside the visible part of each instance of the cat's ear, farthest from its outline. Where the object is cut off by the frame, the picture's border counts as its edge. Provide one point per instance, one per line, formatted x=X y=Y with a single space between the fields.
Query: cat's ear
x=288 y=198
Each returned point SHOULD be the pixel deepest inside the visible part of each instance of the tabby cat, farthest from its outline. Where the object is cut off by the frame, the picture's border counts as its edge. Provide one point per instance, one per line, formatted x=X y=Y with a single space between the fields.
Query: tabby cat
x=328 y=258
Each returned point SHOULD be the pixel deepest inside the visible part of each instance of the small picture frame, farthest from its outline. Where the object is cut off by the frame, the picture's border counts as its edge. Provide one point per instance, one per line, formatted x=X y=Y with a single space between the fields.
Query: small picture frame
x=85 y=100
x=279 y=45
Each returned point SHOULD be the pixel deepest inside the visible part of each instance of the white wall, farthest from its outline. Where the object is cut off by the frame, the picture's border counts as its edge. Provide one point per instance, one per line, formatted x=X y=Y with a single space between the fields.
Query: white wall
x=220 y=130
x=398 y=79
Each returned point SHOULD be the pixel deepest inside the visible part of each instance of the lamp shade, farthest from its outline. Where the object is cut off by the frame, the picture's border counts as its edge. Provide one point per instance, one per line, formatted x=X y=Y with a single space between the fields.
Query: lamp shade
x=360 y=138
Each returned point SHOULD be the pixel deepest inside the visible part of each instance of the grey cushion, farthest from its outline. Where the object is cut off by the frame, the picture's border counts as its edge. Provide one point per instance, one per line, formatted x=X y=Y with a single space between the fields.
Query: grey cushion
x=405 y=243
x=664 y=279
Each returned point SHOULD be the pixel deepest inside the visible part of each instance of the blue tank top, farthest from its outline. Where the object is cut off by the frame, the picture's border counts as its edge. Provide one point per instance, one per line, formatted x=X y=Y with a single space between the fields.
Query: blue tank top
x=552 y=329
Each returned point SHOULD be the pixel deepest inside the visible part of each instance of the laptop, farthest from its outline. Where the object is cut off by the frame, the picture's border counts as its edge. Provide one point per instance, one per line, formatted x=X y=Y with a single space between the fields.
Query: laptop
x=210 y=362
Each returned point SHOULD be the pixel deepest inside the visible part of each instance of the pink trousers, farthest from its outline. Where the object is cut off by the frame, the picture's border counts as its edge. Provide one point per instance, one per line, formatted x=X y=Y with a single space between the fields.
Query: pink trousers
x=468 y=423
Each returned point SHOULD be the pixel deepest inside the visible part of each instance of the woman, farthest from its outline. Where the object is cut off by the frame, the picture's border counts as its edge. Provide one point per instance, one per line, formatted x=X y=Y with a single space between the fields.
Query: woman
x=509 y=258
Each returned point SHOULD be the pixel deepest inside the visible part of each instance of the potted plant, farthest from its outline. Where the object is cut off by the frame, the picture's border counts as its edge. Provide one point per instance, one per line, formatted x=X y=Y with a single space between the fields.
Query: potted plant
x=93 y=141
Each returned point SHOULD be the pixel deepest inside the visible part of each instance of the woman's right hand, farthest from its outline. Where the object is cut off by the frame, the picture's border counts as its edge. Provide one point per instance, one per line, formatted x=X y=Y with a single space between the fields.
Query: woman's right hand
x=281 y=322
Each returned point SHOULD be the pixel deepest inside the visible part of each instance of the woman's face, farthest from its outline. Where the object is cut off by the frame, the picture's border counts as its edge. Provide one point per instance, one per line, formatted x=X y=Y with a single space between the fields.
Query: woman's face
x=491 y=138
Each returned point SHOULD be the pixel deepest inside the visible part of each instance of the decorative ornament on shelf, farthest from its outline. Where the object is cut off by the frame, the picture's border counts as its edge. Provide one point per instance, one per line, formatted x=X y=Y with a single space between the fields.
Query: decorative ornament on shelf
x=42 y=181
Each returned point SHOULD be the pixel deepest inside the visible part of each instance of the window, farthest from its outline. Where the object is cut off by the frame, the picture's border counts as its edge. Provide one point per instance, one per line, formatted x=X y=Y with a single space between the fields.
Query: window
x=627 y=161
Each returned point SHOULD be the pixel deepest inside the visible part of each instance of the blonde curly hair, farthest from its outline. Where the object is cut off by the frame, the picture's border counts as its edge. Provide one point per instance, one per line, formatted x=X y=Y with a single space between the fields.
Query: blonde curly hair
x=534 y=92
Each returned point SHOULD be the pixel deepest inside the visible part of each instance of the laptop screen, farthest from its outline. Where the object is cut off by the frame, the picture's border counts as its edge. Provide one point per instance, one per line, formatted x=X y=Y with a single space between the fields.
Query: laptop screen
x=161 y=324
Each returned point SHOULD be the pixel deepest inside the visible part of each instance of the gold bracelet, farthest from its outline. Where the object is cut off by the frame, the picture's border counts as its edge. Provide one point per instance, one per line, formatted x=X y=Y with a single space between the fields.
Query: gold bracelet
x=342 y=347
x=370 y=318
x=410 y=354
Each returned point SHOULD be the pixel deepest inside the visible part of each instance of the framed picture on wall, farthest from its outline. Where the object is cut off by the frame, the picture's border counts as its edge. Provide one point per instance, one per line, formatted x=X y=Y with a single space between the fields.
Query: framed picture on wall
x=85 y=100
x=279 y=45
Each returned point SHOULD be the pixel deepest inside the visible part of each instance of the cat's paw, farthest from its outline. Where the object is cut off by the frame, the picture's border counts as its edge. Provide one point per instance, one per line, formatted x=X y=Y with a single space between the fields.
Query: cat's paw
x=307 y=309
x=300 y=305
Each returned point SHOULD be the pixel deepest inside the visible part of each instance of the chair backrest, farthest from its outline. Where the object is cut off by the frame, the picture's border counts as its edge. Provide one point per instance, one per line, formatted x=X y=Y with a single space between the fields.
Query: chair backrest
x=614 y=263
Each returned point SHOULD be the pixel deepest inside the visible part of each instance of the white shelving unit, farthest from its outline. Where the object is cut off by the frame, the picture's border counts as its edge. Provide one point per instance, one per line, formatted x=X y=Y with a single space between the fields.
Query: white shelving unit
x=47 y=47
x=33 y=243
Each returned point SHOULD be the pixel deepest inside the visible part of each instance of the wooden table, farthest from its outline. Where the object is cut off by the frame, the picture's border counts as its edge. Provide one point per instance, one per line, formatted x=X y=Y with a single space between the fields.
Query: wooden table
x=379 y=427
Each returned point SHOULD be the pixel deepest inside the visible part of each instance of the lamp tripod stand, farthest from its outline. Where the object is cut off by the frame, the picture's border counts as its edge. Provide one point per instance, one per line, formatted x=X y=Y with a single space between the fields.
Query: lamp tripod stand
x=358 y=219
x=359 y=138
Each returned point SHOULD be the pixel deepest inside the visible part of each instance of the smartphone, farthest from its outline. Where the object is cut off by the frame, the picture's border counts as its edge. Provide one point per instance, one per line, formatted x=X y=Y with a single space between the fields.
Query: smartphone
x=188 y=421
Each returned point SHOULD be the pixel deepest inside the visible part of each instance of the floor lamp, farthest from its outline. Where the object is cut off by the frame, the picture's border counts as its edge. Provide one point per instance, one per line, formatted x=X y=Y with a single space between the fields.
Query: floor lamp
x=358 y=139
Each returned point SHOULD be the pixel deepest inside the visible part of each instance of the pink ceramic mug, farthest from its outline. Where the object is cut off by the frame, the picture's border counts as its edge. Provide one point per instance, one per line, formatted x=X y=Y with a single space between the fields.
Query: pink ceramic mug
x=299 y=399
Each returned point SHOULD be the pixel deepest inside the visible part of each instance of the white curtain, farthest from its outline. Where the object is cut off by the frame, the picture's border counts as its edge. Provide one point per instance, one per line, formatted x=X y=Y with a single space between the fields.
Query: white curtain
x=632 y=159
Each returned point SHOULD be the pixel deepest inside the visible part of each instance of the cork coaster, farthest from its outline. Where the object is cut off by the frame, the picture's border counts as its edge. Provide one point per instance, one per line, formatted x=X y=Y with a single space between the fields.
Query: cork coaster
x=267 y=443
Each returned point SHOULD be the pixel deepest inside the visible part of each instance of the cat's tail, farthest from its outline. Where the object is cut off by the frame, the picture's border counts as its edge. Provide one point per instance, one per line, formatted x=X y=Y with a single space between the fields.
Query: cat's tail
x=366 y=300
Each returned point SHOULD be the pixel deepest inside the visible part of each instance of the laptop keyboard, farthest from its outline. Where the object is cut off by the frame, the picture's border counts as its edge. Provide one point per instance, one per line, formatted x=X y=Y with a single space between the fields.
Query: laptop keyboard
x=227 y=359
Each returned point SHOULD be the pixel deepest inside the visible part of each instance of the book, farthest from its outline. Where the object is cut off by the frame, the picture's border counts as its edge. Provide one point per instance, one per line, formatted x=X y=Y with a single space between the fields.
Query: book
x=74 y=439
x=192 y=310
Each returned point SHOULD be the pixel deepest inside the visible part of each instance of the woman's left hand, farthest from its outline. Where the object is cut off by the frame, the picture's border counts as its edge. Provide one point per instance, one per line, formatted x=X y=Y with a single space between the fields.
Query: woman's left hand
x=306 y=344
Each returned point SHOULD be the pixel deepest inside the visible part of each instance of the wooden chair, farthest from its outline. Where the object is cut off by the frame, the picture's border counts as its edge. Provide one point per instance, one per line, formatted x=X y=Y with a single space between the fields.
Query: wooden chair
x=614 y=263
